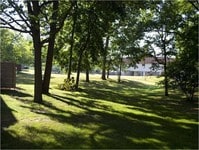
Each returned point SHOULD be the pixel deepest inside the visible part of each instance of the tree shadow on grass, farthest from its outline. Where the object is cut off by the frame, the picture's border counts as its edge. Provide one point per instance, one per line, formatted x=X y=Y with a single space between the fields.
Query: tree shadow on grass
x=44 y=107
x=16 y=142
x=124 y=130
x=73 y=101
x=144 y=123
x=7 y=117
x=25 y=78
x=62 y=139
x=113 y=131
x=15 y=93
x=144 y=97
x=126 y=92
x=113 y=85
x=18 y=95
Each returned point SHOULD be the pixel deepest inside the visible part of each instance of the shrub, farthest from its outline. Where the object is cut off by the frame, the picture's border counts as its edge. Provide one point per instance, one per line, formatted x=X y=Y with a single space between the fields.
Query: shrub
x=68 y=85
x=184 y=74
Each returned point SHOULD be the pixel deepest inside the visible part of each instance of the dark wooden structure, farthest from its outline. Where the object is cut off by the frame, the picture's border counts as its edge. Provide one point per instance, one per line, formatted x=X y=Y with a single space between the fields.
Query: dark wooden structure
x=8 y=75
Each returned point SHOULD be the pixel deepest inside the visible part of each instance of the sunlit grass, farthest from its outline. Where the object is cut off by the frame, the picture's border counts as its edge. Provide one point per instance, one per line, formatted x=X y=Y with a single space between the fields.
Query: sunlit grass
x=103 y=114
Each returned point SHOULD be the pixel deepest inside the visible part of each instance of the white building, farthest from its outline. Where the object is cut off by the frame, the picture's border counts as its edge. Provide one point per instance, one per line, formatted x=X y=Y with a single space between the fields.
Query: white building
x=145 y=67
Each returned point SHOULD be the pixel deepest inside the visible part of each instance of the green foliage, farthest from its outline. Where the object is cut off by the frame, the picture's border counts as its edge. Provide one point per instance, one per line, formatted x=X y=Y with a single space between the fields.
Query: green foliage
x=7 y=45
x=173 y=26
x=15 y=48
x=68 y=85
x=183 y=72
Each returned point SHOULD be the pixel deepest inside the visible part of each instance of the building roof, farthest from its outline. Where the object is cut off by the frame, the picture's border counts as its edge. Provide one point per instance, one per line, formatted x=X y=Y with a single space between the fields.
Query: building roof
x=148 y=60
x=151 y=60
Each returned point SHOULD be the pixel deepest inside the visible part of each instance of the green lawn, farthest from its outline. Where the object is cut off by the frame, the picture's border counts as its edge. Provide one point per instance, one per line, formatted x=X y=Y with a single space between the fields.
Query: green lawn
x=103 y=114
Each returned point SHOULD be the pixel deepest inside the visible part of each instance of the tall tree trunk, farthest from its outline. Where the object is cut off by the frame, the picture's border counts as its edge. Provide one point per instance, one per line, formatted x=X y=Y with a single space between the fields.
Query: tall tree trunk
x=70 y=61
x=79 y=68
x=108 y=69
x=104 y=59
x=165 y=71
x=87 y=75
x=48 y=68
x=166 y=81
x=87 y=64
x=107 y=74
x=104 y=67
x=120 y=71
x=71 y=46
x=82 y=49
x=34 y=10
x=51 y=43
x=38 y=69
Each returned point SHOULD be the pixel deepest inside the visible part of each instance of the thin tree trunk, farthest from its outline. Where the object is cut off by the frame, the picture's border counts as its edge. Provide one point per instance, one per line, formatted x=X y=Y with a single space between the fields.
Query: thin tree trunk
x=108 y=69
x=87 y=75
x=120 y=71
x=70 y=61
x=104 y=68
x=166 y=82
x=48 y=68
x=79 y=68
x=49 y=59
x=104 y=59
x=71 y=47
x=107 y=75
x=165 y=72
x=87 y=65
x=82 y=49
x=192 y=93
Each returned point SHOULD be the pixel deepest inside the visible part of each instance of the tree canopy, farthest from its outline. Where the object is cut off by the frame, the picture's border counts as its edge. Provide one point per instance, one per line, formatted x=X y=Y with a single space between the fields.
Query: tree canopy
x=83 y=34
x=15 y=48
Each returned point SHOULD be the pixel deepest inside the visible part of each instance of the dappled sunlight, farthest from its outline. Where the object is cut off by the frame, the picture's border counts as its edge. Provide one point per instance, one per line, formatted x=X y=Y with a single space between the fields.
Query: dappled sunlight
x=50 y=137
x=186 y=121
x=149 y=141
x=104 y=114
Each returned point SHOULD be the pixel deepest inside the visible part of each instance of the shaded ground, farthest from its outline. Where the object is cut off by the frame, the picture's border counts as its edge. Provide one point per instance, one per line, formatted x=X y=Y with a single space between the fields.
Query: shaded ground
x=104 y=114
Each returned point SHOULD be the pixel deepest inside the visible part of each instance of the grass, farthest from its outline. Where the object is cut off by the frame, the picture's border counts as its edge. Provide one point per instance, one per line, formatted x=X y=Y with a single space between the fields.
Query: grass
x=104 y=114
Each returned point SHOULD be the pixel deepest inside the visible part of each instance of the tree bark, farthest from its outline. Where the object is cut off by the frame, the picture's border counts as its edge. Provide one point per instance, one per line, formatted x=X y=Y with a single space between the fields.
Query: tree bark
x=48 y=68
x=108 y=69
x=71 y=46
x=34 y=10
x=82 y=49
x=163 y=39
x=107 y=74
x=104 y=67
x=87 y=65
x=51 y=43
x=79 y=69
x=104 y=59
x=120 y=71
x=87 y=75
x=38 y=70
x=165 y=71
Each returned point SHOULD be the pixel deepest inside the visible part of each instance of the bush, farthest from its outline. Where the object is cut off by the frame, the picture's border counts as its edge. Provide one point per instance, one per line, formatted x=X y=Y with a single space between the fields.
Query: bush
x=184 y=74
x=68 y=85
